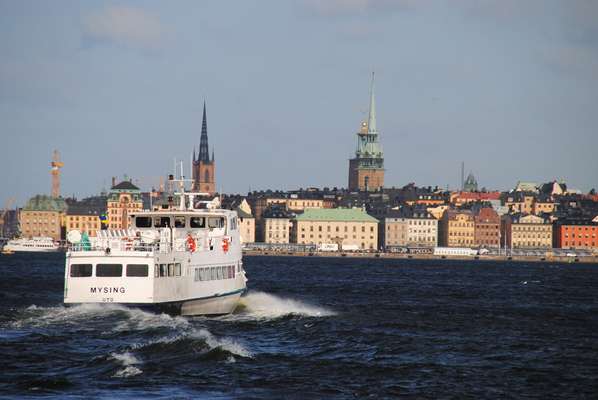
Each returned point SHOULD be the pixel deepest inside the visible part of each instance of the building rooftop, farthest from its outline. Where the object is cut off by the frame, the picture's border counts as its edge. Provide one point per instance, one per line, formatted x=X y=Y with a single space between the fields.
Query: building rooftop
x=43 y=202
x=335 y=214
x=125 y=186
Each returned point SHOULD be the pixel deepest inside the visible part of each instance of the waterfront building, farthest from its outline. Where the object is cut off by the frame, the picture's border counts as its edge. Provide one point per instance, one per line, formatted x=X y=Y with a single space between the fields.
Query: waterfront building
x=347 y=227
x=43 y=216
x=84 y=215
x=204 y=179
x=366 y=170
x=275 y=225
x=576 y=233
x=456 y=228
x=409 y=227
x=9 y=223
x=526 y=231
x=123 y=200
x=486 y=228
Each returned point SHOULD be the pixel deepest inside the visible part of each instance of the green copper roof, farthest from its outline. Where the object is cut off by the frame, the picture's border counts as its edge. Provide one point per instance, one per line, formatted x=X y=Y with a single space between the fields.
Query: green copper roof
x=42 y=202
x=336 y=215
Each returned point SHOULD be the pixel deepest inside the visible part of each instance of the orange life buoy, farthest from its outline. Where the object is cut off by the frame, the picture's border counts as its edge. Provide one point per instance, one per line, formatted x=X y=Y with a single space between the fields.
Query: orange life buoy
x=191 y=245
x=225 y=244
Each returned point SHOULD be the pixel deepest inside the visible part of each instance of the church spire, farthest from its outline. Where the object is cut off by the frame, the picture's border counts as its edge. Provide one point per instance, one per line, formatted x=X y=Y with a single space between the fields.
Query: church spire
x=372 y=114
x=193 y=153
x=204 y=154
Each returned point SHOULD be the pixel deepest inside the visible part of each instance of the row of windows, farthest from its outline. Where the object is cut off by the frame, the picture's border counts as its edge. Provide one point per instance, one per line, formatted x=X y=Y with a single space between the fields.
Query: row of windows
x=108 y=270
x=329 y=237
x=531 y=228
x=214 y=273
x=581 y=244
x=311 y=229
x=180 y=221
x=580 y=236
x=536 y=236
x=579 y=228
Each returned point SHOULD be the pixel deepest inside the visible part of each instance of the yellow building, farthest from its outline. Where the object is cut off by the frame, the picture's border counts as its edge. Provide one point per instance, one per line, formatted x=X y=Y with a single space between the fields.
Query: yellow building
x=457 y=229
x=529 y=203
x=276 y=223
x=42 y=216
x=521 y=231
x=347 y=227
x=84 y=215
x=124 y=199
x=296 y=204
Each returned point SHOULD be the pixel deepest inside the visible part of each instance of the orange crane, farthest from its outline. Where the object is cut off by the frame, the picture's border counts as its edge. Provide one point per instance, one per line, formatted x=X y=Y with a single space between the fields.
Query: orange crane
x=56 y=165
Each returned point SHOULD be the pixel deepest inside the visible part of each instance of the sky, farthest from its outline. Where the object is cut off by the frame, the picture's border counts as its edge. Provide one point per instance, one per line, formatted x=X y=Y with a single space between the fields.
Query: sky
x=509 y=87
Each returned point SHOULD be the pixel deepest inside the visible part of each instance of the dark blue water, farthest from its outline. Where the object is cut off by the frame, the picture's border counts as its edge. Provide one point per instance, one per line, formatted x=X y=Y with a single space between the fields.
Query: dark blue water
x=314 y=328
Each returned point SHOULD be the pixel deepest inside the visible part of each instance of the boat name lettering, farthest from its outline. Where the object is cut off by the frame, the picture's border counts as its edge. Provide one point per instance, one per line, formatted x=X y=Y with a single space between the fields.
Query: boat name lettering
x=107 y=289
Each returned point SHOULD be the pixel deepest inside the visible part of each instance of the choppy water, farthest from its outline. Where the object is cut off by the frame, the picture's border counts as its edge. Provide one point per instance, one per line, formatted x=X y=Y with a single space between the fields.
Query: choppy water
x=314 y=328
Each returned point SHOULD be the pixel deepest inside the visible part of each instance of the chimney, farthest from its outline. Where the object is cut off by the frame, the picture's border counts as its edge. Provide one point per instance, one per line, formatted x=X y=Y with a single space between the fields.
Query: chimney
x=113 y=181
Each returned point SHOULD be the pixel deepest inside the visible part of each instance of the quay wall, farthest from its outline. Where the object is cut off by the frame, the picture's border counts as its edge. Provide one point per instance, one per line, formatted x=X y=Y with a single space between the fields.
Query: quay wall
x=555 y=259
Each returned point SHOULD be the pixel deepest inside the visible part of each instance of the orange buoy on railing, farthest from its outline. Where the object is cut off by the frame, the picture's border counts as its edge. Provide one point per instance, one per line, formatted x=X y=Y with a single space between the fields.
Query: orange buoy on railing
x=225 y=244
x=191 y=245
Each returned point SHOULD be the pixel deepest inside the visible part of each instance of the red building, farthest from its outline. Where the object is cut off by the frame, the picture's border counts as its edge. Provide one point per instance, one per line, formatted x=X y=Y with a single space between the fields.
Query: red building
x=576 y=234
x=486 y=228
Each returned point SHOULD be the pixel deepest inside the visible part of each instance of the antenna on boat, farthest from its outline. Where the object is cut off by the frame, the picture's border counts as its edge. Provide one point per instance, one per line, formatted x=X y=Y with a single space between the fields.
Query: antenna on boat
x=181 y=182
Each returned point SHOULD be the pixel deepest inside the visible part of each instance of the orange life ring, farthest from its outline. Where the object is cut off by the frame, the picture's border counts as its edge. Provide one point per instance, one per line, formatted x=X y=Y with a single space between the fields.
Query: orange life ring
x=191 y=245
x=225 y=244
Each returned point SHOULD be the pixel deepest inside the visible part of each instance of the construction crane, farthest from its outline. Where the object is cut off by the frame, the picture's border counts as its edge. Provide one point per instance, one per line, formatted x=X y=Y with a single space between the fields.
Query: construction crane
x=56 y=165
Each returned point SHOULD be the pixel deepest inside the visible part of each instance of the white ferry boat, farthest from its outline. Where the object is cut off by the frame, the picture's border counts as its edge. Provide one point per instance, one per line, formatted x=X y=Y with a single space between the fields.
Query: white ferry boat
x=184 y=260
x=35 y=244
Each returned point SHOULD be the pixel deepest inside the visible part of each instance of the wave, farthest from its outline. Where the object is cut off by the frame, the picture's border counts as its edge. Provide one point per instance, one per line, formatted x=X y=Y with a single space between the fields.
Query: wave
x=198 y=340
x=260 y=305
x=128 y=361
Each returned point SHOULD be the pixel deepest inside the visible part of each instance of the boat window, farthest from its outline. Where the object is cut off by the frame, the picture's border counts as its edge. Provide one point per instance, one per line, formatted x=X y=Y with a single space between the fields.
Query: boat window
x=156 y=271
x=215 y=222
x=143 y=222
x=163 y=270
x=177 y=269
x=80 y=270
x=109 y=270
x=197 y=222
x=179 y=221
x=170 y=269
x=137 y=270
x=161 y=222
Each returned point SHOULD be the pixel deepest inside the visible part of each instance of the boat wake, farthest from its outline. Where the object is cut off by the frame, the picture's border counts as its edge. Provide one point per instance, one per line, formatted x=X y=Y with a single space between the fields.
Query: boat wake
x=260 y=305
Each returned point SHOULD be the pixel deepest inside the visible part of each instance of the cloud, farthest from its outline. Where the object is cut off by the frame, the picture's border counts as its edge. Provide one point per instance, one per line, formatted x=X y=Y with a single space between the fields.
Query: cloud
x=127 y=26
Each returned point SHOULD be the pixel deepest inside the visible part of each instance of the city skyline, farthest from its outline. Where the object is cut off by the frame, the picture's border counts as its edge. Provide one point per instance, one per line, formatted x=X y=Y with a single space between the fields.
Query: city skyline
x=118 y=88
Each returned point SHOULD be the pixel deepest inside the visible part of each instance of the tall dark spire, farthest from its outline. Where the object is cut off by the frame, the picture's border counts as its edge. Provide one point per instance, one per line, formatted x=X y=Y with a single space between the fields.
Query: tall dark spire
x=204 y=154
x=193 y=153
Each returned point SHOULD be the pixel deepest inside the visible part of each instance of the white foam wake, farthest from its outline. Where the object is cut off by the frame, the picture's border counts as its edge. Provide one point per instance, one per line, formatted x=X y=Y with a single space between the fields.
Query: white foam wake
x=128 y=361
x=267 y=306
x=135 y=319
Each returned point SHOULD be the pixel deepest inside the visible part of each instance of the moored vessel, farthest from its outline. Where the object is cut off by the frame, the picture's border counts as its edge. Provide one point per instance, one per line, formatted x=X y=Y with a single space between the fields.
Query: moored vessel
x=34 y=244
